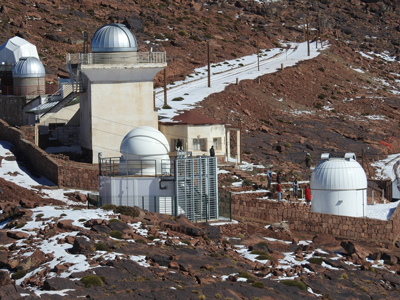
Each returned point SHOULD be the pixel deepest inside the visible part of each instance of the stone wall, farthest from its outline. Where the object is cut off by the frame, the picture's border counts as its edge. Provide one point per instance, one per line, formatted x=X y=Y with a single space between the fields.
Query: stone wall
x=11 y=109
x=29 y=133
x=300 y=218
x=62 y=173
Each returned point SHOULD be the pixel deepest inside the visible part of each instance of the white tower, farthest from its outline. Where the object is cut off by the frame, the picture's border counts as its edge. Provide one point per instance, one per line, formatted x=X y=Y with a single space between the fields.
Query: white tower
x=339 y=186
x=120 y=89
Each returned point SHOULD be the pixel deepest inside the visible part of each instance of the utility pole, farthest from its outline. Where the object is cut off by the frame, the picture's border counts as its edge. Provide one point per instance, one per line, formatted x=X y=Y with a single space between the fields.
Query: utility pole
x=308 y=36
x=165 y=87
x=208 y=62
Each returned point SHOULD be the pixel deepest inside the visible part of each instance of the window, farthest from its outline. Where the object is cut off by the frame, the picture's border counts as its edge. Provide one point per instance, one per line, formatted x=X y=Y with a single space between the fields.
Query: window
x=199 y=145
x=174 y=144
x=217 y=143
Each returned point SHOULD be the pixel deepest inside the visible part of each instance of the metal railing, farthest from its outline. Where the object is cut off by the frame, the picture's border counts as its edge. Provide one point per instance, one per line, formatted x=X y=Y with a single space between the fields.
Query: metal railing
x=29 y=90
x=112 y=167
x=124 y=58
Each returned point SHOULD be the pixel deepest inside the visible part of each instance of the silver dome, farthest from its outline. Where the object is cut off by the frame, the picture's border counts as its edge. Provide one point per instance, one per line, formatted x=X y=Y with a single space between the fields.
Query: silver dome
x=113 y=38
x=28 y=67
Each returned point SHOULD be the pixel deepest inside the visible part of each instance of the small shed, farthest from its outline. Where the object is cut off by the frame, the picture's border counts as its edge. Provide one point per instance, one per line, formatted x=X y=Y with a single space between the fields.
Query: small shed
x=197 y=133
x=339 y=186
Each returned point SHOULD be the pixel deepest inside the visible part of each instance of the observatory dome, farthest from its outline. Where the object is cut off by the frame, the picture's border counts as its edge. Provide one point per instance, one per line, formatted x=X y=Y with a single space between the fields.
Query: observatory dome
x=28 y=67
x=339 y=174
x=339 y=186
x=15 y=48
x=144 y=141
x=113 y=38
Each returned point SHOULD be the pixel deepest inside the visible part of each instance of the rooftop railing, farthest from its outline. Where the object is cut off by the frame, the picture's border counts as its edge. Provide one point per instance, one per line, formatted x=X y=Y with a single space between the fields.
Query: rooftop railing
x=125 y=58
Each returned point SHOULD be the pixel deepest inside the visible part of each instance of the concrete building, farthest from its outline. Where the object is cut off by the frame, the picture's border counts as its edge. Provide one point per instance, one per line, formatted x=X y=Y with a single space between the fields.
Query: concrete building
x=339 y=186
x=119 y=93
x=198 y=133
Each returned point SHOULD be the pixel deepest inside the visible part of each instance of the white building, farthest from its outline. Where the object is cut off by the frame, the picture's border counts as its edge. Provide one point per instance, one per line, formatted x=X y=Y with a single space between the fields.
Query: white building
x=198 y=133
x=119 y=93
x=146 y=177
x=339 y=186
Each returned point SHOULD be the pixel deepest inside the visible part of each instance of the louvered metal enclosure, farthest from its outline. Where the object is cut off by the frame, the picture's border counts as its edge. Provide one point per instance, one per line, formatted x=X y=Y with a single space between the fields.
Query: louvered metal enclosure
x=189 y=186
x=196 y=187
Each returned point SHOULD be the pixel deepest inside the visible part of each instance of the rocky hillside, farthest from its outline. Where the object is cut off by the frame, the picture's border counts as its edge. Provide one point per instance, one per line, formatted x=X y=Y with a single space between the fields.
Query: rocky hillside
x=345 y=100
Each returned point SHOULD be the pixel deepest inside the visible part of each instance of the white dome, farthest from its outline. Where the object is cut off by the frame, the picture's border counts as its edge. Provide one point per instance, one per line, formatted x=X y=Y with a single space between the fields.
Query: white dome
x=15 y=48
x=339 y=174
x=113 y=38
x=144 y=141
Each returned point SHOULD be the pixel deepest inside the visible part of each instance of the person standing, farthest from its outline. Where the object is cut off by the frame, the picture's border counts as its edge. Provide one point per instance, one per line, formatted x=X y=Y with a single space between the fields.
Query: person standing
x=278 y=177
x=279 y=191
x=212 y=151
x=179 y=144
x=295 y=186
x=308 y=195
x=269 y=178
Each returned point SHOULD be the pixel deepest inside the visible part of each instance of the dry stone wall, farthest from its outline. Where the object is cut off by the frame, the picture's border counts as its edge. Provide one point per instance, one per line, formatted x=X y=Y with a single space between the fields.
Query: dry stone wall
x=62 y=173
x=300 y=218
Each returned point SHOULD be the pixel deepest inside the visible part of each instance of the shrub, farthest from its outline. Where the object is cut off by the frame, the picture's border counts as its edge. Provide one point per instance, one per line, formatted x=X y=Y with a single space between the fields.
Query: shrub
x=127 y=211
x=195 y=38
x=321 y=69
x=225 y=241
x=233 y=54
x=177 y=99
x=114 y=221
x=321 y=96
x=299 y=284
x=39 y=216
x=288 y=145
x=91 y=280
x=316 y=260
x=258 y=252
x=141 y=241
x=318 y=105
x=215 y=255
x=247 y=182
x=166 y=106
x=18 y=275
x=159 y=36
x=63 y=215
x=206 y=238
x=258 y=284
x=81 y=220
x=182 y=33
x=101 y=247
x=264 y=257
x=20 y=225
x=108 y=206
x=186 y=242
x=116 y=234
x=246 y=275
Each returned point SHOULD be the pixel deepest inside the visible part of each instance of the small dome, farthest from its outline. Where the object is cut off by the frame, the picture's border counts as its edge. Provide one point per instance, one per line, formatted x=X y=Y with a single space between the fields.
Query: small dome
x=144 y=141
x=113 y=38
x=28 y=67
x=338 y=174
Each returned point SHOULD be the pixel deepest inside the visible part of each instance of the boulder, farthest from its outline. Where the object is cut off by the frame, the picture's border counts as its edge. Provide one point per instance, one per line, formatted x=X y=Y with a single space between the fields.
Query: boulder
x=18 y=235
x=323 y=239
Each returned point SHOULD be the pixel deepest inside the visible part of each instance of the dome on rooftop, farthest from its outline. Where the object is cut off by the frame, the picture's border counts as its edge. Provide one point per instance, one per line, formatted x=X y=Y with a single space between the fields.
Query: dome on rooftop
x=113 y=38
x=28 y=67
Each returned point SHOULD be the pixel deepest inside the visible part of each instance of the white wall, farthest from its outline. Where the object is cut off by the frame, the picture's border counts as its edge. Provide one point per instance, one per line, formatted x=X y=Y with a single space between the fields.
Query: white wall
x=352 y=203
x=119 y=99
x=138 y=191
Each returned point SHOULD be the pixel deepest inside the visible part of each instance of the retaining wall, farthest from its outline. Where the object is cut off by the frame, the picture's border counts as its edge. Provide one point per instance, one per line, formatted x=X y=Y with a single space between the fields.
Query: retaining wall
x=62 y=173
x=300 y=218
